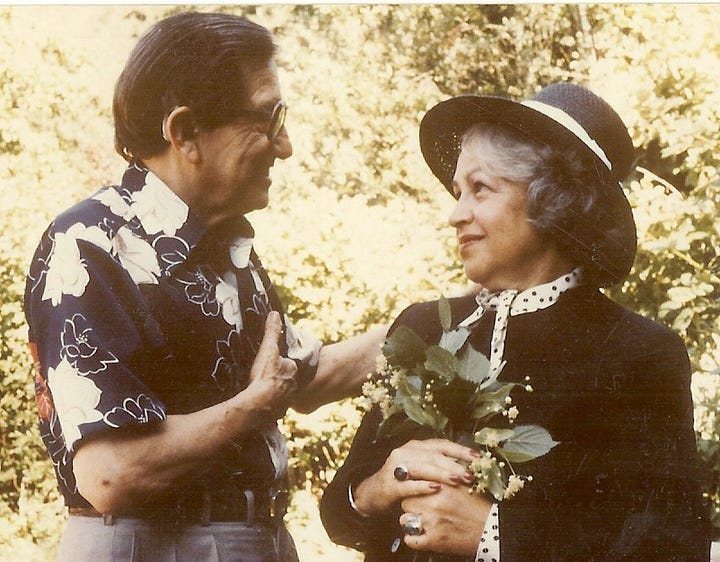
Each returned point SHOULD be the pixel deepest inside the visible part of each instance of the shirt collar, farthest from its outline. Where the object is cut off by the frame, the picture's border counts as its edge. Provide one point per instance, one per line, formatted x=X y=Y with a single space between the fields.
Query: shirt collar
x=162 y=213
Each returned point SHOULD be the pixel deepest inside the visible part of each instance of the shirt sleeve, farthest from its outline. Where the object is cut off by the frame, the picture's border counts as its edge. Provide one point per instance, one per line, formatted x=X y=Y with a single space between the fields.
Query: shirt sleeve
x=94 y=339
x=304 y=348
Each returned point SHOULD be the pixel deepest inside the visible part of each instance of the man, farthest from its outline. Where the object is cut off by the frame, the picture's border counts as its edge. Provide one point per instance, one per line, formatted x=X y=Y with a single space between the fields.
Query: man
x=163 y=354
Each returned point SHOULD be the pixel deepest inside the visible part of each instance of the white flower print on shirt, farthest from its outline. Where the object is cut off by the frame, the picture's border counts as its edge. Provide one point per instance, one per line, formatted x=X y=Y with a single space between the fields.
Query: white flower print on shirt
x=115 y=202
x=77 y=345
x=75 y=398
x=137 y=256
x=226 y=371
x=240 y=251
x=227 y=295
x=138 y=410
x=67 y=274
x=158 y=207
x=201 y=291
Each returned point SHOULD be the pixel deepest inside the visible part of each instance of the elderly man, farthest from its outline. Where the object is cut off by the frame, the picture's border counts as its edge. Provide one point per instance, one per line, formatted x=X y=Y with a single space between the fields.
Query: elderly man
x=163 y=355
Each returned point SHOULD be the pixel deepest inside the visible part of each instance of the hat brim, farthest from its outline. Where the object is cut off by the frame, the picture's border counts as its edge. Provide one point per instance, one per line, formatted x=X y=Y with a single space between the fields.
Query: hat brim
x=443 y=126
x=442 y=129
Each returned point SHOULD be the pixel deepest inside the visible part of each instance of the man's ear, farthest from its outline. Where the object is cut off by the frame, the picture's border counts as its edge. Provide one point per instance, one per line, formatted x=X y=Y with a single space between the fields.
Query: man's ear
x=180 y=130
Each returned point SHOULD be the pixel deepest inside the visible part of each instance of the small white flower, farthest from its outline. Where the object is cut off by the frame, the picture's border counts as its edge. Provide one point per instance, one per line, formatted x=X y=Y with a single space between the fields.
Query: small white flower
x=513 y=413
x=158 y=207
x=514 y=485
x=67 y=274
x=492 y=438
x=381 y=363
x=481 y=464
x=136 y=256
x=75 y=398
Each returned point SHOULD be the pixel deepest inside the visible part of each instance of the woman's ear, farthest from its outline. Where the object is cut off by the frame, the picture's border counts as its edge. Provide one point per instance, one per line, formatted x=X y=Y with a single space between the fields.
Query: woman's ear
x=181 y=131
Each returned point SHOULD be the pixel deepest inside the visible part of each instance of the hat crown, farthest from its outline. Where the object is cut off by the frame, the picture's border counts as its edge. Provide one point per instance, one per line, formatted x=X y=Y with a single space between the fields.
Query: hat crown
x=597 y=118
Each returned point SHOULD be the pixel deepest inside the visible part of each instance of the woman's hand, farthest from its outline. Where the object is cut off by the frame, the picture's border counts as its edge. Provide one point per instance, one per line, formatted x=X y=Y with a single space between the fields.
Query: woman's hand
x=429 y=464
x=452 y=520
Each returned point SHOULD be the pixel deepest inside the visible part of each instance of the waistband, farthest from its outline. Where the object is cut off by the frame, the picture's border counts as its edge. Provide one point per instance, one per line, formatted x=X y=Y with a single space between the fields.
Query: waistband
x=250 y=506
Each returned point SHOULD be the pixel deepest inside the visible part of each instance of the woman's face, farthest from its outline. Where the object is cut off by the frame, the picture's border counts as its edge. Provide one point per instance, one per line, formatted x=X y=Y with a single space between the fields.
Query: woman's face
x=499 y=247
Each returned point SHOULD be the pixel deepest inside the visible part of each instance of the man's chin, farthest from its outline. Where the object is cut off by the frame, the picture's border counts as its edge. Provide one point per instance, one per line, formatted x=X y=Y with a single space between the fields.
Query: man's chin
x=257 y=202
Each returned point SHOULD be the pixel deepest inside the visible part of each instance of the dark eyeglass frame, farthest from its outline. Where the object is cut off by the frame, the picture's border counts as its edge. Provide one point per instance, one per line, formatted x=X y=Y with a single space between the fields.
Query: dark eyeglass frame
x=276 y=118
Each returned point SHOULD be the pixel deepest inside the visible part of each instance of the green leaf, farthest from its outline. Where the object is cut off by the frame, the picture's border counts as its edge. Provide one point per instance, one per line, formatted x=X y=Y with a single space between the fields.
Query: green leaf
x=442 y=362
x=408 y=387
x=527 y=443
x=401 y=427
x=404 y=348
x=454 y=340
x=492 y=436
x=489 y=404
x=409 y=397
x=474 y=367
x=445 y=314
x=455 y=398
x=495 y=484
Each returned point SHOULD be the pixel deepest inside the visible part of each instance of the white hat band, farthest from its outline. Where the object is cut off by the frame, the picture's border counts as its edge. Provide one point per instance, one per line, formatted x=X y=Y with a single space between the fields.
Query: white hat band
x=562 y=118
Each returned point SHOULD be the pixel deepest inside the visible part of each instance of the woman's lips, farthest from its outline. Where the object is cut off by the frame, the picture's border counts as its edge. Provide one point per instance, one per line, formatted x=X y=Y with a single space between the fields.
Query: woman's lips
x=467 y=240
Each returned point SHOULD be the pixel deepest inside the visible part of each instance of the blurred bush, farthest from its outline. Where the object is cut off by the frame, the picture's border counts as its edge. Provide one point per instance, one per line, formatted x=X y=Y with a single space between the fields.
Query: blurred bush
x=356 y=227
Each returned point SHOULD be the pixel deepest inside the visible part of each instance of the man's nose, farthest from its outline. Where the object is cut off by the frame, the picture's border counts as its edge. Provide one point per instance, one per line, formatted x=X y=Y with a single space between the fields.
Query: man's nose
x=282 y=145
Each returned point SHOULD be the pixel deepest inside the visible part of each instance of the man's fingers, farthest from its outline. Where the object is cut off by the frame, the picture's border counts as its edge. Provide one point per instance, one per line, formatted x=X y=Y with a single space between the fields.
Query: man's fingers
x=273 y=328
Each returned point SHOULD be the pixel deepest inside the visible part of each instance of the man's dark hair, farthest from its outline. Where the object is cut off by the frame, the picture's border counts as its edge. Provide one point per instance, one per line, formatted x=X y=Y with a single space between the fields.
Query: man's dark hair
x=192 y=59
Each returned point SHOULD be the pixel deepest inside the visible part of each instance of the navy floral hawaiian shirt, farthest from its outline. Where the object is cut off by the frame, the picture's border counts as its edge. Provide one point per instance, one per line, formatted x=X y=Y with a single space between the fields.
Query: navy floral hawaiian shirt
x=137 y=311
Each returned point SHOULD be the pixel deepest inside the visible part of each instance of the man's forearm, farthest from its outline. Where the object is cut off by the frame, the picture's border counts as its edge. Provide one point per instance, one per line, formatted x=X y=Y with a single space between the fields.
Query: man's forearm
x=342 y=369
x=130 y=467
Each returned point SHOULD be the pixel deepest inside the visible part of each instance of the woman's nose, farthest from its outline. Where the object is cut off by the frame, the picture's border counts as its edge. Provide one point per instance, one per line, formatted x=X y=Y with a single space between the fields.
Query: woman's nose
x=461 y=213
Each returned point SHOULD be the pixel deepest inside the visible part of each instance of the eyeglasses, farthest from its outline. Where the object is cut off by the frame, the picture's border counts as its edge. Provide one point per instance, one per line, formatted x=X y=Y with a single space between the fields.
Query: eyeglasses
x=276 y=117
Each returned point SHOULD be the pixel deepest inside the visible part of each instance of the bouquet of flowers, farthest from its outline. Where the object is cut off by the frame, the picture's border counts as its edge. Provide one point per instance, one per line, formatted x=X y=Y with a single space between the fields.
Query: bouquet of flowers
x=443 y=390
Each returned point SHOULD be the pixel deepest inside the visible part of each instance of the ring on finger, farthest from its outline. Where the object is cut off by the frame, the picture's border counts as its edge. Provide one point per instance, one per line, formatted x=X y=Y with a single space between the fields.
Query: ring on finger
x=413 y=525
x=401 y=473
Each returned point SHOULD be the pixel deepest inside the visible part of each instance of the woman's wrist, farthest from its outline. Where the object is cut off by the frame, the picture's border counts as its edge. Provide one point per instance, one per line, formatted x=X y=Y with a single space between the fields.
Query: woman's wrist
x=351 y=499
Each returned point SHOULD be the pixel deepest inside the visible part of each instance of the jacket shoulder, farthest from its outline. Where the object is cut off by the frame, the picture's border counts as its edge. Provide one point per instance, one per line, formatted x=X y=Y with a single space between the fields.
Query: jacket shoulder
x=424 y=317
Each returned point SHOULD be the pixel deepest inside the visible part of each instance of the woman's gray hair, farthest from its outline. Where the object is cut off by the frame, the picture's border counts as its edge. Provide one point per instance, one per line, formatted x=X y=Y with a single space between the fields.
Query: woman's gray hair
x=565 y=194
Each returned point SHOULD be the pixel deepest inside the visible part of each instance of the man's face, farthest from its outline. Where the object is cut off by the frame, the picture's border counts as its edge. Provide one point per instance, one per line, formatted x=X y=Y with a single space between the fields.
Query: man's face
x=234 y=172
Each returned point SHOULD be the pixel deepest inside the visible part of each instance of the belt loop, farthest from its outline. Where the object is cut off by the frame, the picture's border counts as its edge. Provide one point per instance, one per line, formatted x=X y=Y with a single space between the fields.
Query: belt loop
x=250 y=503
x=108 y=519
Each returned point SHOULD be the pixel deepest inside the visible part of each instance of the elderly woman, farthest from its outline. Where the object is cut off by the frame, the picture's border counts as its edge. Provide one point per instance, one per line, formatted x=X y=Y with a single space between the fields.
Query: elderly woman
x=542 y=225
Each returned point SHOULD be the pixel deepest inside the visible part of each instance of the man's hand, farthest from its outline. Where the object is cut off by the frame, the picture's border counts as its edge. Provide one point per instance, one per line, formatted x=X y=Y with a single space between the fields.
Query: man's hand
x=272 y=377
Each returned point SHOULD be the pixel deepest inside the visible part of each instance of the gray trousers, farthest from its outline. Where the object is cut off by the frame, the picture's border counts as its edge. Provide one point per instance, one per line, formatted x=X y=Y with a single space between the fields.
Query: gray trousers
x=88 y=539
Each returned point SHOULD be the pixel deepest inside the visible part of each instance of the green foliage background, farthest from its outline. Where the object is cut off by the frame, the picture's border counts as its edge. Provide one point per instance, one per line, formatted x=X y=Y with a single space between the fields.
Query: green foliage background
x=356 y=227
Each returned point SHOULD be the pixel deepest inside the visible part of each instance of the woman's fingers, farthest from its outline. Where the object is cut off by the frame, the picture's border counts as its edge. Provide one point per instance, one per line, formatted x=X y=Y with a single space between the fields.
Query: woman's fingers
x=432 y=460
x=450 y=521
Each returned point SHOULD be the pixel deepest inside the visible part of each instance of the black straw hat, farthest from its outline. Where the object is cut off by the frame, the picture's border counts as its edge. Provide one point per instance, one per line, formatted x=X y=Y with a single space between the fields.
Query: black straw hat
x=559 y=115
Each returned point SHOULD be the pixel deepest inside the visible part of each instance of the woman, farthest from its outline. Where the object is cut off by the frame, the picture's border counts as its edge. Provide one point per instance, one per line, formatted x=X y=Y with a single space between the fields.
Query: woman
x=542 y=224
